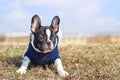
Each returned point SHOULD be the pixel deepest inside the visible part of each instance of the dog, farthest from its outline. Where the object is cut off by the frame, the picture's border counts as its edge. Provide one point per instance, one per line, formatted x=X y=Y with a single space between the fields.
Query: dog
x=43 y=46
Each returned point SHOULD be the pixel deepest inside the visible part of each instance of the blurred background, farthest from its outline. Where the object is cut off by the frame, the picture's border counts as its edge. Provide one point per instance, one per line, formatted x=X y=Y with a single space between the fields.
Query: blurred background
x=89 y=49
x=78 y=17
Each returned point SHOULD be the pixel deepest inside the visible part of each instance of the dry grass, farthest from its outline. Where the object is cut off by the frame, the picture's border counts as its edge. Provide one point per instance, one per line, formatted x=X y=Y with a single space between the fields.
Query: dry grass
x=2 y=37
x=89 y=61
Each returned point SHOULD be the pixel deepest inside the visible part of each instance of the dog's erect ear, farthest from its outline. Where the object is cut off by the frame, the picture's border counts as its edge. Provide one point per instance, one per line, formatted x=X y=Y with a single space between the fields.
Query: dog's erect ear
x=55 y=24
x=35 y=23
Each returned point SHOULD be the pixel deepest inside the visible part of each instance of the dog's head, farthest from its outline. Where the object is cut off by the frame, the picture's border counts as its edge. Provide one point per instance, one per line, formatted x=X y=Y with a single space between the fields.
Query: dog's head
x=44 y=36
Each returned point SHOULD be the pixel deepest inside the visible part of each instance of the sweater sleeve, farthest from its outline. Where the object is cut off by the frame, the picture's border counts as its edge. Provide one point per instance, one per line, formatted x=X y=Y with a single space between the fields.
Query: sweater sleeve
x=28 y=51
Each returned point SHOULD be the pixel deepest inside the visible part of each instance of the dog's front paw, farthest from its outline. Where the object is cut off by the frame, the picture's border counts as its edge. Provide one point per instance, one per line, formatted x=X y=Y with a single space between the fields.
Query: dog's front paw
x=63 y=74
x=21 y=70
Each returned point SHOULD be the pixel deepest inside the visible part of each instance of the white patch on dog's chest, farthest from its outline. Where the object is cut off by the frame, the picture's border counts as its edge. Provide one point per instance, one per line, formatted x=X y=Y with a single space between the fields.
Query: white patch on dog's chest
x=48 y=33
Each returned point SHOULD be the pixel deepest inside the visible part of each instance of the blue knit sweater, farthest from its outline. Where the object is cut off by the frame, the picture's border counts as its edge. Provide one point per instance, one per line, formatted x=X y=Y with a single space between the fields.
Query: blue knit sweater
x=38 y=58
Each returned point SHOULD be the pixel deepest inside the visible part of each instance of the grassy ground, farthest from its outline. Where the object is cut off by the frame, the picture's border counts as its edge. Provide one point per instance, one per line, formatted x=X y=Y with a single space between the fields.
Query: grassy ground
x=88 y=61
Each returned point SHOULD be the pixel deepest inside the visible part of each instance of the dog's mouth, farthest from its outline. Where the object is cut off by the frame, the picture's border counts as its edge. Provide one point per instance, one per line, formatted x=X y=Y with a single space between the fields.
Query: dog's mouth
x=47 y=48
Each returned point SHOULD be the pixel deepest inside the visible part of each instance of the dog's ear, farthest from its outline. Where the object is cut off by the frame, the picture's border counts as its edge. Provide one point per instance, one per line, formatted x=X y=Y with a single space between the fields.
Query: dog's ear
x=55 y=24
x=35 y=23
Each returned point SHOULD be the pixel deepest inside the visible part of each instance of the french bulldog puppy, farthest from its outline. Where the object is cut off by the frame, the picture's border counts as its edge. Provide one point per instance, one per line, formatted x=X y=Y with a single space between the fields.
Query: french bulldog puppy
x=43 y=46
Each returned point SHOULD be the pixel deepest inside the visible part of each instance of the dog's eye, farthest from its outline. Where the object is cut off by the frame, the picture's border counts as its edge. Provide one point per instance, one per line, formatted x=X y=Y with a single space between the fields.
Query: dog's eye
x=41 y=38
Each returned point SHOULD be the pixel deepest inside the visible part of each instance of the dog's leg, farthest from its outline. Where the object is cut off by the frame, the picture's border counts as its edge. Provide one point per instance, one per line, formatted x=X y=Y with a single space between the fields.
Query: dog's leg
x=60 y=69
x=24 y=66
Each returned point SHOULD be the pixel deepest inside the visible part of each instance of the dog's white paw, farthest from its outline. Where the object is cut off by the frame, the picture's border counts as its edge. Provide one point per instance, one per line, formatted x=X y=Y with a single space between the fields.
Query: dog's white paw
x=63 y=74
x=21 y=70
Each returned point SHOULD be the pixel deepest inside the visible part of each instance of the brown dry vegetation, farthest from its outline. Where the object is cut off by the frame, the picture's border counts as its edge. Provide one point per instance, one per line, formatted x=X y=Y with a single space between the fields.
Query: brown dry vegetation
x=96 y=58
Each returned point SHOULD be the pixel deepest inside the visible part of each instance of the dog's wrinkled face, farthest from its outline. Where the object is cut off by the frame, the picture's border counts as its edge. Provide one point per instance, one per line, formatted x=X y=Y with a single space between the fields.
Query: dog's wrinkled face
x=44 y=36
x=45 y=39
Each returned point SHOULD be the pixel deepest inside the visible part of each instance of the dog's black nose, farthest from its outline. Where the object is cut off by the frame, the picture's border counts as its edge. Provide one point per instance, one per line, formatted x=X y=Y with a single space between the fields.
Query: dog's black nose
x=48 y=43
